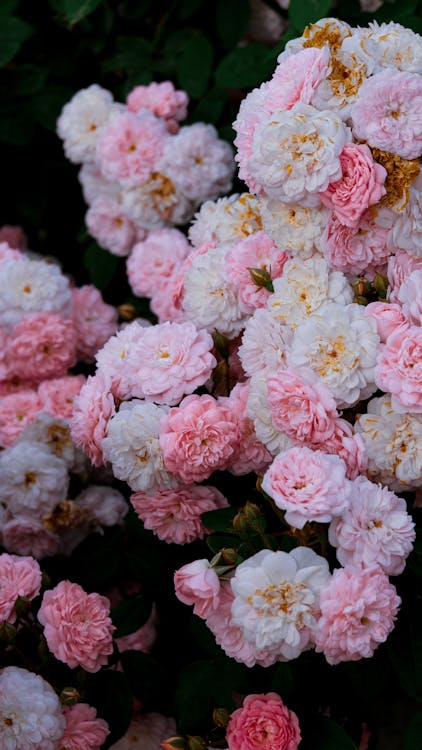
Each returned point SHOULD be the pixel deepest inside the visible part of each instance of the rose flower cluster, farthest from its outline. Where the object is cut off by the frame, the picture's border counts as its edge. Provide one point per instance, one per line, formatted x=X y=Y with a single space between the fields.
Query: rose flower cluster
x=46 y=328
x=141 y=170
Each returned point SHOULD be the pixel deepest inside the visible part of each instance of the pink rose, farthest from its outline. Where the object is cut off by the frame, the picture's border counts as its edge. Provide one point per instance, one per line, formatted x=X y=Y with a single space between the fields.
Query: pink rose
x=17 y=410
x=389 y=318
x=198 y=584
x=361 y=248
x=361 y=185
x=84 y=731
x=19 y=576
x=263 y=723
x=42 y=346
x=28 y=536
x=399 y=370
x=77 y=626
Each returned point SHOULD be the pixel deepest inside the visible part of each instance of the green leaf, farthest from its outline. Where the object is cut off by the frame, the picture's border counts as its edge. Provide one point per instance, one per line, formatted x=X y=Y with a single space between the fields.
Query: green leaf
x=8 y=7
x=193 y=696
x=232 y=21
x=130 y=614
x=210 y=107
x=101 y=265
x=245 y=67
x=110 y=693
x=413 y=735
x=26 y=79
x=282 y=680
x=135 y=9
x=302 y=13
x=203 y=636
x=219 y=520
x=187 y=8
x=193 y=67
x=75 y=10
x=324 y=734
x=48 y=103
x=405 y=649
x=13 y=33
x=133 y=54
x=216 y=542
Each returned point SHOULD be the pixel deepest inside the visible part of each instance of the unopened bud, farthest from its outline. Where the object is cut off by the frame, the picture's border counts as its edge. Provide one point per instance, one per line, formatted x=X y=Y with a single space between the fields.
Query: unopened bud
x=174 y=743
x=221 y=343
x=240 y=522
x=359 y=300
x=362 y=287
x=22 y=605
x=261 y=278
x=7 y=632
x=196 y=743
x=69 y=696
x=127 y=312
x=252 y=513
x=221 y=717
x=220 y=372
x=229 y=555
x=380 y=284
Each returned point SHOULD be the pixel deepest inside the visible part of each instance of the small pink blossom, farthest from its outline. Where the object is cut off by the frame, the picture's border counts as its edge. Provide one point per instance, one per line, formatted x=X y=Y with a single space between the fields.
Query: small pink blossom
x=28 y=536
x=14 y=236
x=112 y=358
x=19 y=576
x=77 y=626
x=399 y=369
x=175 y=515
x=160 y=98
x=92 y=411
x=301 y=405
x=309 y=485
x=130 y=146
x=42 y=346
x=389 y=317
x=410 y=295
x=162 y=302
x=358 y=610
x=84 y=730
x=388 y=113
x=17 y=411
x=348 y=446
x=361 y=185
x=154 y=260
x=263 y=723
x=375 y=528
x=357 y=249
x=198 y=584
x=258 y=251
x=297 y=78
x=9 y=253
x=399 y=268
x=198 y=437
x=57 y=395
x=110 y=226
x=94 y=321
x=252 y=455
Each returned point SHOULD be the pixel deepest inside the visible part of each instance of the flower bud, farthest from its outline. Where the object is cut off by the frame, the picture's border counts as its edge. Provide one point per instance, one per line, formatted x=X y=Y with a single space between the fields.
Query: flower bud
x=380 y=284
x=253 y=514
x=221 y=343
x=360 y=300
x=174 y=743
x=261 y=278
x=229 y=555
x=221 y=717
x=127 y=312
x=69 y=696
x=240 y=522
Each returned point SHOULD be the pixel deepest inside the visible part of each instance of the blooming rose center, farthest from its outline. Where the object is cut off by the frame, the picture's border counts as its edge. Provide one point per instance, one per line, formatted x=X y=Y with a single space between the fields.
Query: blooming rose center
x=283 y=598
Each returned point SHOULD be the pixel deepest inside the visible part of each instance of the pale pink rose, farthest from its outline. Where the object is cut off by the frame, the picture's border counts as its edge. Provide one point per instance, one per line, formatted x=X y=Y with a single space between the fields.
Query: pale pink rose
x=410 y=295
x=130 y=146
x=110 y=226
x=301 y=406
x=154 y=260
x=92 y=410
x=17 y=411
x=77 y=626
x=263 y=723
x=399 y=268
x=297 y=78
x=389 y=317
x=309 y=485
x=257 y=251
x=161 y=98
x=252 y=113
x=84 y=730
x=361 y=185
x=180 y=273
x=251 y=455
x=357 y=249
x=388 y=113
x=16 y=385
x=9 y=253
x=230 y=637
x=198 y=584
x=375 y=528
x=19 y=576
x=175 y=515
x=162 y=302
x=358 y=610
x=103 y=505
x=399 y=370
x=198 y=437
x=172 y=359
x=42 y=346
x=142 y=639
x=94 y=321
x=112 y=358
x=348 y=446
x=28 y=536
x=4 y=364
x=14 y=236
x=58 y=394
